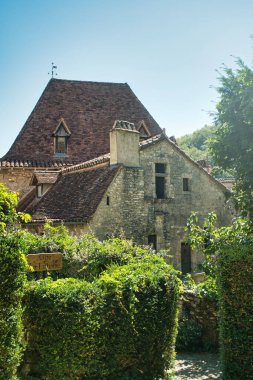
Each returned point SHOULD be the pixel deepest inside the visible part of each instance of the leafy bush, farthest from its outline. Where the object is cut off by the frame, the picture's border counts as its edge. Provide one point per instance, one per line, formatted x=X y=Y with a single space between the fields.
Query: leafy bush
x=12 y=281
x=235 y=284
x=229 y=258
x=120 y=326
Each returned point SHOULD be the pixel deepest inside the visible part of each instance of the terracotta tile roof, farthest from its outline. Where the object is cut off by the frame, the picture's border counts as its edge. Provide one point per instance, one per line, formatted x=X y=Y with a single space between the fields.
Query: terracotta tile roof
x=89 y=110
x=75 y=196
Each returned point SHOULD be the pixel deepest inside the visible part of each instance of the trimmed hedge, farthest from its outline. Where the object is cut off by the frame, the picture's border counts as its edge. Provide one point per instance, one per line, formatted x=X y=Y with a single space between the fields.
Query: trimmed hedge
x=235 y=282
x=120 y=326
x=12 y=282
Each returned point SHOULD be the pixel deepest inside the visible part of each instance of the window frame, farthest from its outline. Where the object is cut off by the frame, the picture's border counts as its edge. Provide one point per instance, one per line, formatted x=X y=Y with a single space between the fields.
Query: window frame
x=160 y=180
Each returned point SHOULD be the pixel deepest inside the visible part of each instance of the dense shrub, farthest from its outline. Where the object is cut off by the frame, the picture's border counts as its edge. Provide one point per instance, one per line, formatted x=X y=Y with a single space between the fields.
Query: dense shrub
x=12 y=282
x=229 y=257
x=235 y=280
x=120 y=326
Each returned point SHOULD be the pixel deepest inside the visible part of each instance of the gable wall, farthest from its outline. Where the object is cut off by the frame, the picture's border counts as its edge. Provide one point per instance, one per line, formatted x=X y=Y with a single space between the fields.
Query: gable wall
x=170 y=214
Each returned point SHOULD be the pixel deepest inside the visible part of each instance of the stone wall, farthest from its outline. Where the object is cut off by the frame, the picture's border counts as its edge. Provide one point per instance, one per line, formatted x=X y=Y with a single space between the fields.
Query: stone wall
x=135 y=212
x=17 y=179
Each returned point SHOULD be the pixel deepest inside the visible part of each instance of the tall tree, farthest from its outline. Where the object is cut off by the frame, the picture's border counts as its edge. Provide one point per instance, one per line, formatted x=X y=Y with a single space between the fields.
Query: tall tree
x=232 y=145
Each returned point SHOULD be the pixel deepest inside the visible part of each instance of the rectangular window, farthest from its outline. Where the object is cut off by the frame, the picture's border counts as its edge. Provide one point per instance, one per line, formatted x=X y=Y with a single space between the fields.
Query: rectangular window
x=152 y=241
x=186 y=184
x=186 y=265
x=61 y=144
x=108 y=200
x=160 y=170
x=160 y=187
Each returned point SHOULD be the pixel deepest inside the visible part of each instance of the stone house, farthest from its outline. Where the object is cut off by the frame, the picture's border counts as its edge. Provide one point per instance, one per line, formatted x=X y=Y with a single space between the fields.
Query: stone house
x=76 y=162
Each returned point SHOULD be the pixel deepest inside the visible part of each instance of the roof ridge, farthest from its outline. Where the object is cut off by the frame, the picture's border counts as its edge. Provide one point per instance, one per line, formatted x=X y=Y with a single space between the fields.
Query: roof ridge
x=12 y=163
x=88 y=81
x=87 y=164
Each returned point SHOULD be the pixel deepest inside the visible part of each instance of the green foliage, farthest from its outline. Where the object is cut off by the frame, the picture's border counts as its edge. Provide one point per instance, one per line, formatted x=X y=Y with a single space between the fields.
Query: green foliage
x=8 y=214
x=231 y=253
x=231 y=146
x=85 y=257
x=189 y=337
x=12 y=281
x=196 y=144
x=122 y=325
x=235 y=284
x=198 y=327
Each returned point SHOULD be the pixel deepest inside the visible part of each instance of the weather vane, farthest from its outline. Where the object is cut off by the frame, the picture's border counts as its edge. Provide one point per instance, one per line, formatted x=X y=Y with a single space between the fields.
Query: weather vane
x=53 y=68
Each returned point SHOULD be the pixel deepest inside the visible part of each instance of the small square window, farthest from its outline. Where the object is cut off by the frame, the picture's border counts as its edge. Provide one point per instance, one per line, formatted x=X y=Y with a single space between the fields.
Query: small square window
x=160 y=168
x=186 y=184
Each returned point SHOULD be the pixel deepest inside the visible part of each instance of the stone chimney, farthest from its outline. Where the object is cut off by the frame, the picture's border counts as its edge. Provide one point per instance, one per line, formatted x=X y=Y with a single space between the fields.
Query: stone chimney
x=124 y=144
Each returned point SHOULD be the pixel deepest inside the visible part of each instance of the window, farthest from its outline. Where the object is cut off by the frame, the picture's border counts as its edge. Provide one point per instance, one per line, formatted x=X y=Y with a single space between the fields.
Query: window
x=186 y=265
x=61 y=144
x=160 y=170
x=61 y=136
x=108 y=200
x=186 y=184
x=152 y=241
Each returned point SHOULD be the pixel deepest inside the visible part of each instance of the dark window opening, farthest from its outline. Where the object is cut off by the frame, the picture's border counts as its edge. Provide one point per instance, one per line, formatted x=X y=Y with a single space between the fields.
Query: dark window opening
x=152 y=240
x=160 y=168
x=186 y=265
x=160 y=187
x=186 y=184
x=61 y=144
x=107 y=200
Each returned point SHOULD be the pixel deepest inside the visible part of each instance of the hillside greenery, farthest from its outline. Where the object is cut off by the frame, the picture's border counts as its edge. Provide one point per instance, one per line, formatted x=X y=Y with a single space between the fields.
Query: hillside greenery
x=196 y=143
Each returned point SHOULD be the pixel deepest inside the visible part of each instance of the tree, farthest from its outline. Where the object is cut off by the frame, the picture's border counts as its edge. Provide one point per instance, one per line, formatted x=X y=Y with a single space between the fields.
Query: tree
x=232 y=144
x=8 y=214
x=196 y=143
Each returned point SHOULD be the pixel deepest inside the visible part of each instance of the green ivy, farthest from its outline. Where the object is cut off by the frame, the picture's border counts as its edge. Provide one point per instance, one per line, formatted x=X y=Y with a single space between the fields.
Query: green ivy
x=122 y=325
x=12 y=282
x=235 y=284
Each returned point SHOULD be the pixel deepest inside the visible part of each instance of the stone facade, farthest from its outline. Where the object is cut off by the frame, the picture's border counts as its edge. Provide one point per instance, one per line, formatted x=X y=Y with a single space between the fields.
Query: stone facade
x=130 y=205
x=17 y=179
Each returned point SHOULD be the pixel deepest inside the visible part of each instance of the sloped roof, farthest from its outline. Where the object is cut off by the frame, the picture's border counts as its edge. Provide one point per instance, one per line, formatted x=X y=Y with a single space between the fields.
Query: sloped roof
x=88 y=109
x=75 y=196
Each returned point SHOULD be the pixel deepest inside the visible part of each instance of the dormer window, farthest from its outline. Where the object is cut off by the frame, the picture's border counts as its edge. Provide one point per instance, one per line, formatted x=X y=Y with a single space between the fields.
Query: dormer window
x=61 y=136
x=43 y=180
x=143 y=130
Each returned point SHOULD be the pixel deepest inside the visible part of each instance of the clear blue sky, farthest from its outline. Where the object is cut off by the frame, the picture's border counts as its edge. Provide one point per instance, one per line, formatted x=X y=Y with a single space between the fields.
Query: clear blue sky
x=166 y=50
